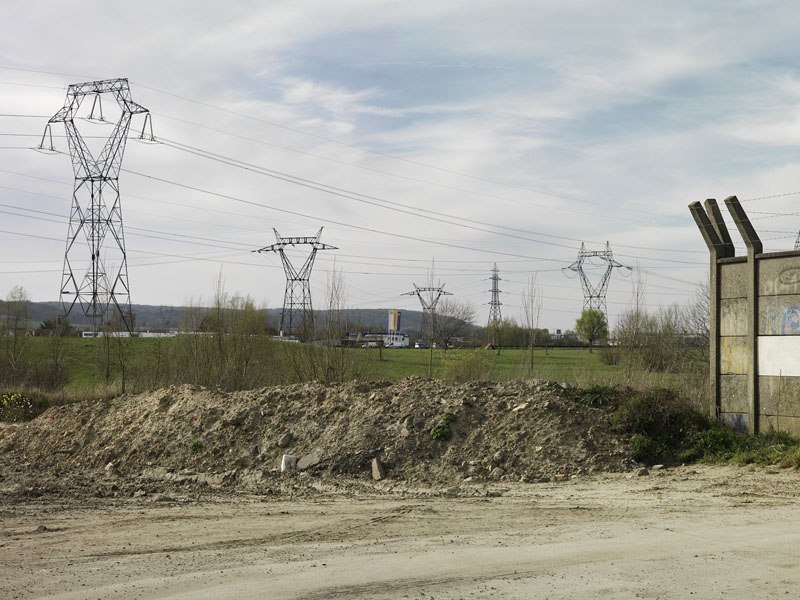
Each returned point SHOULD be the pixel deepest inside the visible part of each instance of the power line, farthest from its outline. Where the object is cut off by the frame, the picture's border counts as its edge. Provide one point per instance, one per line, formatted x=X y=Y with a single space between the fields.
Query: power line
x=382 y=203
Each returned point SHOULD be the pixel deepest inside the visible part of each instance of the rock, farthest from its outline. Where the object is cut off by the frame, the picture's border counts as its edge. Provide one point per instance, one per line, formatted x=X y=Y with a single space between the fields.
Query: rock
x=657 y=467
x=139 y=493
x=522 y=406
x=285 y=440
x=641 y=472
x=111 y=469
x=497 y=473
x=564 y=385
x=378 y=471
x=559 y=477
x=309 y=460
x=498 y=457
x=288 y=463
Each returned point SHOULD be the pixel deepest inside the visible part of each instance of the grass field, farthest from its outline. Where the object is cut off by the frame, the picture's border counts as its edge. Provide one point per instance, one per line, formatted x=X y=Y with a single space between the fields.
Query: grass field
x=86 y=364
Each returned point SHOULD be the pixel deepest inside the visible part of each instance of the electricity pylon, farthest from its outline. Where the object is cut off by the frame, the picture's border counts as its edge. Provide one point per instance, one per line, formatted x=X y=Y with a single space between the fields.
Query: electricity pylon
x=96 y=213
x=594 y=296
x=297 y=315
x=428 y=298
x=797 y=242
x=494 y=304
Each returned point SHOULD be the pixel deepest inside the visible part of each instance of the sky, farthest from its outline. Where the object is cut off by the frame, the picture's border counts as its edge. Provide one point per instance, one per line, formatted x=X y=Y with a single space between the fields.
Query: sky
x=430 y=140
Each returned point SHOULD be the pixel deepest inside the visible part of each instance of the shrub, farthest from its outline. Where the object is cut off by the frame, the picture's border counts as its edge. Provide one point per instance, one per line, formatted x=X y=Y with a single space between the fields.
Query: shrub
x=468 y=366
x=15 y=407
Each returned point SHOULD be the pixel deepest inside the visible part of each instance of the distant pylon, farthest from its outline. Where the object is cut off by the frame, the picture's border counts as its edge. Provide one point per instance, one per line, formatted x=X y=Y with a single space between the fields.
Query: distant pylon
x=797 y=242
x=428 y=298
x=594 y=296
x=297 y=315
x=96 y=214
x=494 y=305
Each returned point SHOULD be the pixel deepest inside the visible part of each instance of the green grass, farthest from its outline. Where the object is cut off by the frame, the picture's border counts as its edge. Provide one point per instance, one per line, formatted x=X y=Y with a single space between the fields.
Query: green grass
x=85 y=358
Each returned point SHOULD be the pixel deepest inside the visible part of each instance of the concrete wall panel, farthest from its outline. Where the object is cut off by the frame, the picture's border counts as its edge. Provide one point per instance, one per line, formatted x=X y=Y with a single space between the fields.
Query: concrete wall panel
x=779 y=395
x=778 y=355
x=734 y=355
x=733 y=280
x=778 y=315
x=733 y=316
x=780 y=423
x=779 y=276
x=733 y=394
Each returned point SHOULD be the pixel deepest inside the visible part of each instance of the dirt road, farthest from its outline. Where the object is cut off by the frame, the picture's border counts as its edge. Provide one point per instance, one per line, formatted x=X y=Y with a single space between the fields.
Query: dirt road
x=704 y=532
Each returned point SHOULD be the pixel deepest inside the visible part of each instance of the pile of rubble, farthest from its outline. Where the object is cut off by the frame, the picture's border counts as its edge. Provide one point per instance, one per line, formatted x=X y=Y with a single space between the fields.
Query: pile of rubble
x=422 y=432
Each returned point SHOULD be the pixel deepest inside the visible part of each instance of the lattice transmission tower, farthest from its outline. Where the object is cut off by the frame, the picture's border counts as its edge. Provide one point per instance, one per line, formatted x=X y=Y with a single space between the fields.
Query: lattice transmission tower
x=594 y=296
x=494 y=305
x=95 y=229
x=428 y=298
x=298 y=315
x=797 y=242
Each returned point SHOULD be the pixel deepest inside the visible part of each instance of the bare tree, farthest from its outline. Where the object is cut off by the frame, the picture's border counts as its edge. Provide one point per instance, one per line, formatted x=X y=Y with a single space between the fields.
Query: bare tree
x=531 y=311
x=453 y=320
x=14 y=327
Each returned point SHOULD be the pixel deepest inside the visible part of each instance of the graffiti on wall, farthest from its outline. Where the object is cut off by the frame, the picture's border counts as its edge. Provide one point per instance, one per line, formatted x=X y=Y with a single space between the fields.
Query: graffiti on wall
x=791 y=321
x=787 y=282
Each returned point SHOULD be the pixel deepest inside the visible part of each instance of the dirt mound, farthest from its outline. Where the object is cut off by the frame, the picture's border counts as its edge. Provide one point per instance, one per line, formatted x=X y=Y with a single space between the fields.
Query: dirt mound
x=422 y=431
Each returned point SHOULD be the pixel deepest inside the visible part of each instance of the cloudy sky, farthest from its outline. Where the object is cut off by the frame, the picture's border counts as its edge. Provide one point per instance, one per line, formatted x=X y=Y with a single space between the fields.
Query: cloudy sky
x=457 y=135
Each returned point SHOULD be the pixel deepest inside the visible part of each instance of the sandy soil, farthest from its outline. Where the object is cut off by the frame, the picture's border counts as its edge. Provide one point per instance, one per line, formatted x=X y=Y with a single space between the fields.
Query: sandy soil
x=704 y=532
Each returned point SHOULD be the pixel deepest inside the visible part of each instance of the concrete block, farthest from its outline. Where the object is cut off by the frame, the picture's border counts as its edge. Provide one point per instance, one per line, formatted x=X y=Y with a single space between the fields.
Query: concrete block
x=733 y=280
x=779 y=276
x=733 y=394
x=378 y=471
x=779 y=315
x=288 y=463
x=734 y=355
x=733 y=316
x=779 y=395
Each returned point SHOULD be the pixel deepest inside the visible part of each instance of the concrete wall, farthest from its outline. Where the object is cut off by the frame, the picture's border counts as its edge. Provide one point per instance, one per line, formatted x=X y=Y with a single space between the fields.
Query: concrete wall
x=755 y=314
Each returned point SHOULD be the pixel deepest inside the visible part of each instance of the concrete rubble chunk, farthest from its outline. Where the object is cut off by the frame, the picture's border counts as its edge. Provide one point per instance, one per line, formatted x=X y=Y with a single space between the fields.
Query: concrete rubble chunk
x=309 y=460
x=288 y=463
x=642 y=472
x=378 y=471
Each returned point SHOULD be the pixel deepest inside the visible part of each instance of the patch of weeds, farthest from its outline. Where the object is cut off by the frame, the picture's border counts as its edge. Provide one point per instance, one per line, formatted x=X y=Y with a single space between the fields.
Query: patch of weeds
x=595 y=395
x=442 y=431
x=722 y=445
x=659 y=426
x=196 y=446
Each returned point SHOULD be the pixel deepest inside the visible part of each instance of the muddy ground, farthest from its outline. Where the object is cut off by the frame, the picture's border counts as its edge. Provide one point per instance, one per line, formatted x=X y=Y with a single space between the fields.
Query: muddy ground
x=519 y=493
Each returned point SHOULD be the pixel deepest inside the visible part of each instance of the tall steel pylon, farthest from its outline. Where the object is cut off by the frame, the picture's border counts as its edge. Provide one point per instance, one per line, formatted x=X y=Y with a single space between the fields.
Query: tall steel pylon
x=297 y=315
x=428 y=298
x=594 y=296
x=96 y=213
x=797 y=242
x=494 y=304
